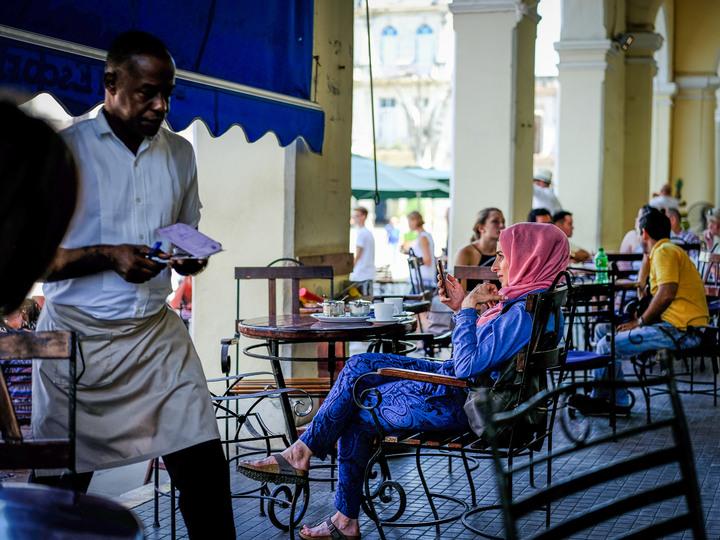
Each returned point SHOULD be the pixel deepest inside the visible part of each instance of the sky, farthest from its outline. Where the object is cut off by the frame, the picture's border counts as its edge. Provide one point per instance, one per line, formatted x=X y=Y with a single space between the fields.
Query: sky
x=548 y=32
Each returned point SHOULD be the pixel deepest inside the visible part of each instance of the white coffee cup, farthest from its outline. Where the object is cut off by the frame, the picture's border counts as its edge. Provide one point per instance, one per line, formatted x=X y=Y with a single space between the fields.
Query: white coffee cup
x=396 y=301
x=384 y=311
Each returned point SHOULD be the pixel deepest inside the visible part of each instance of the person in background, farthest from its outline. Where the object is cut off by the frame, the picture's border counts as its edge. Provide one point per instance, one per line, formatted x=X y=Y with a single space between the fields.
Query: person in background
x=393 y=236
x=543 y=195
x=423 y=247
x=564 y=220
x=680 y=236
x=539 y=215
x=142 y=392
x=676 y=230
x=712 y=233
x=678 y=302
x=181 y=301
x=364 y=263
x=23 y=318
x=482 y=248
x=631 y=244
x=663 y=200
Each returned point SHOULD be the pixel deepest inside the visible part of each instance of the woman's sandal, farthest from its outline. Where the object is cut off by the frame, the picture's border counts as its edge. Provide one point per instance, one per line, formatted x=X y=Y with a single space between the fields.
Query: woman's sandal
x=335 y=533
x=280 y=472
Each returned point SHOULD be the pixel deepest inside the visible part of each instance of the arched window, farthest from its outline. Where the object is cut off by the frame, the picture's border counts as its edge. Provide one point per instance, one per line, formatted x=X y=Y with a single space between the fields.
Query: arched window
x=424 y=46
x=388 y=46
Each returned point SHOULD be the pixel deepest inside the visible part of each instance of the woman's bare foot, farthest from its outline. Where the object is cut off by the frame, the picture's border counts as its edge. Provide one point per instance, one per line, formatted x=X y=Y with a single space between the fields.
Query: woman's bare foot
x=297 y=454
x=349 y=527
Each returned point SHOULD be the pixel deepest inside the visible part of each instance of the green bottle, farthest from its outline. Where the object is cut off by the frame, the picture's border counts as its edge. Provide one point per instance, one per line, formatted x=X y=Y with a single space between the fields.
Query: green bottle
x=601 y=267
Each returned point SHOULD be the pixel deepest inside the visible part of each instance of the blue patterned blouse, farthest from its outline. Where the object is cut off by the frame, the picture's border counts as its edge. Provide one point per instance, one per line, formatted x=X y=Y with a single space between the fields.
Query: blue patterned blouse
x=479 y=349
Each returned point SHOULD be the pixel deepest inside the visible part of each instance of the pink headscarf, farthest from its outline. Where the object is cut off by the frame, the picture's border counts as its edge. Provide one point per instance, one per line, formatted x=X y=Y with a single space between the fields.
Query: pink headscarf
x=536 y=253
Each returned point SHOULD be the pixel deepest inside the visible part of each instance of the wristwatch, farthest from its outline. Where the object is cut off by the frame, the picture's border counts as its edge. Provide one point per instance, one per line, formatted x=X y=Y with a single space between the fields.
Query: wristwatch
x=640 y=321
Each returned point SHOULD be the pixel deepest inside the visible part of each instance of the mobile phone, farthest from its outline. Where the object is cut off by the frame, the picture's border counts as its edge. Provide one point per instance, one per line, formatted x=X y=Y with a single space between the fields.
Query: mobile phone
x=441 y=272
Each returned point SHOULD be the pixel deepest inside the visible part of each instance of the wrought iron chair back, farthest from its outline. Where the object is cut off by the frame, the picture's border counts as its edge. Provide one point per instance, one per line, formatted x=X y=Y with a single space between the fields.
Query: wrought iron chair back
x=622 y=477
x=414 y=264
x=711 y=273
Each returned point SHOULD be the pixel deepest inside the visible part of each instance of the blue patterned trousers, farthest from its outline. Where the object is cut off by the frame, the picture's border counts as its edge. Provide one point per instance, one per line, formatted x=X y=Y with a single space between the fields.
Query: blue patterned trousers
x=406 y=406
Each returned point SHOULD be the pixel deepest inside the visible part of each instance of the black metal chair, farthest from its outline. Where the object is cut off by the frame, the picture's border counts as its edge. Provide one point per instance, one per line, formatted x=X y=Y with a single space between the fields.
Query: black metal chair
x=541 y=353
x=589 y=305
x=634 y=476
x=245 y=435
x=709 y=349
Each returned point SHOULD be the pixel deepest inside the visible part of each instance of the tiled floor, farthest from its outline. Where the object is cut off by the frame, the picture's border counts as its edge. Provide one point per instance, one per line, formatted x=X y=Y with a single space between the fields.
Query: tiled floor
x=705 y=433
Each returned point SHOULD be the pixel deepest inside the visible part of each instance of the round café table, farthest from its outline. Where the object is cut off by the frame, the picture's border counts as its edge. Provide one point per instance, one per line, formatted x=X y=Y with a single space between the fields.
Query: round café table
x=32 y=512
x=287 y=329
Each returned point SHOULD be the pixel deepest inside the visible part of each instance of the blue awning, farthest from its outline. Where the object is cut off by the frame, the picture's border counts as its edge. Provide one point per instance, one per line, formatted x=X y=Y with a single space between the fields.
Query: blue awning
x=244 y=63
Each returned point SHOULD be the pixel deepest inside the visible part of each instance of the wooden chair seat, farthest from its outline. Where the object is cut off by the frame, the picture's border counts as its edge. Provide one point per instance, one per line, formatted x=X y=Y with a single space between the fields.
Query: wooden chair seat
x=314 y=386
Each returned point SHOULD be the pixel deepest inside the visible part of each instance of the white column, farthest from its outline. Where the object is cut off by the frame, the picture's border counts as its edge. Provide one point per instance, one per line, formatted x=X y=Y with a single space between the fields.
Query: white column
x=640 y=69
x=663 y=103
x=493 y=111
x=717 y=157
x=590 y=142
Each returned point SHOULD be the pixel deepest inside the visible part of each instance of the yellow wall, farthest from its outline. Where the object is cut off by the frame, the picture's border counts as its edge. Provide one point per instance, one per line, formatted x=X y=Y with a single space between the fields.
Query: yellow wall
x=697 y=39
x=241 y=187
x=697 y=42
x=322 y=182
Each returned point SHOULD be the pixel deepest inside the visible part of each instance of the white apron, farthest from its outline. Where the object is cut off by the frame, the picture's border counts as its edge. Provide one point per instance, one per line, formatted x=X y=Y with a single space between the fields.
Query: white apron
x=141 y=391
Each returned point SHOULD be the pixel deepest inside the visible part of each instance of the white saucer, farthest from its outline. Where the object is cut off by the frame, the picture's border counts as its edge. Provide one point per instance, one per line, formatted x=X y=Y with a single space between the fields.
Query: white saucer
x=380 y=323
x=340 y=319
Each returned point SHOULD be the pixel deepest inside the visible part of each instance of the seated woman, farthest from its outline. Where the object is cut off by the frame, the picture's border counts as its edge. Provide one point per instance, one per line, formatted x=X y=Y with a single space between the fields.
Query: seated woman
x=489 y=223
x=529 y=257
x=480 y=251
x=423 y=247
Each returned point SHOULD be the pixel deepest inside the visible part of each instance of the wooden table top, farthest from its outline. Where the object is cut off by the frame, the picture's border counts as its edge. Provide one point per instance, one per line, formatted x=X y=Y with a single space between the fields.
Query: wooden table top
x=307 y=328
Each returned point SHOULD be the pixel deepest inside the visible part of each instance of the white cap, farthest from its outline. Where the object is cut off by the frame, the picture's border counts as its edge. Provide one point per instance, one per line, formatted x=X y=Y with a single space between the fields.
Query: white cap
x=543 y=174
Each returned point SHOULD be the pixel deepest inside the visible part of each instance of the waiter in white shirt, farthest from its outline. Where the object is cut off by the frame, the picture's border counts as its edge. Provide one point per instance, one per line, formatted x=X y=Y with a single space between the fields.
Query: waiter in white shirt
x=141 y=390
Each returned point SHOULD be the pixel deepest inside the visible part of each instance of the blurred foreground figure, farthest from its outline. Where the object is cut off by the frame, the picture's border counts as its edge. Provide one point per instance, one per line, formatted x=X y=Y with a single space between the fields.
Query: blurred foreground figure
x=39 y=187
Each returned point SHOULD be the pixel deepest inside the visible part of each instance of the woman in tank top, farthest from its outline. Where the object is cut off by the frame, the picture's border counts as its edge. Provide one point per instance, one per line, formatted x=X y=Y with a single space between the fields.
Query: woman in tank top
x=481 y=250
x=423 y=247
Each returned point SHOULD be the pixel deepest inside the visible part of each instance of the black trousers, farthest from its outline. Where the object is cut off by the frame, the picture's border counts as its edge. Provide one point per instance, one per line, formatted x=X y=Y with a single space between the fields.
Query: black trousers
x=201 y=475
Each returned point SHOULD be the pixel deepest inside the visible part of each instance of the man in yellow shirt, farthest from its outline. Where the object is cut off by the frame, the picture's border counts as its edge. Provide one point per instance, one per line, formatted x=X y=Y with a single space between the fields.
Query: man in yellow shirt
x=678 y=302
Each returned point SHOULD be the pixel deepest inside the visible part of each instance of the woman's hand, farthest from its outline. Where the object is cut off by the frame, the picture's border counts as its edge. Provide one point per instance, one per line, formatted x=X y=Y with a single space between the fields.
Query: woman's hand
x=452 y=293
x=485 y=293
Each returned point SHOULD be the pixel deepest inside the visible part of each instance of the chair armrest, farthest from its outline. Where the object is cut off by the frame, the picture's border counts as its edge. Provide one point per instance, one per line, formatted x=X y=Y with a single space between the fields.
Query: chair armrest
x=240 y=376
x=423 y=376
